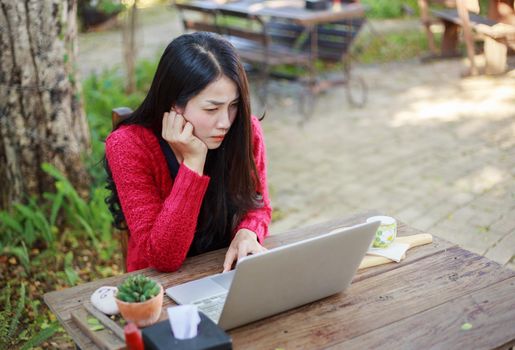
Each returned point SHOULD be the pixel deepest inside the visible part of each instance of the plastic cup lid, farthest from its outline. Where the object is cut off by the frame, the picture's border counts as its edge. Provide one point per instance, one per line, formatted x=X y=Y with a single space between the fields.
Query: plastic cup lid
x=385 y=220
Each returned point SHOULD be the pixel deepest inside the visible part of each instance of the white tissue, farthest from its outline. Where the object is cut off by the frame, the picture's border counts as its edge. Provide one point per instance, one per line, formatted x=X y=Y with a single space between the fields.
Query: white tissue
x=184 y=320
x=103 y=300
x=394 y=252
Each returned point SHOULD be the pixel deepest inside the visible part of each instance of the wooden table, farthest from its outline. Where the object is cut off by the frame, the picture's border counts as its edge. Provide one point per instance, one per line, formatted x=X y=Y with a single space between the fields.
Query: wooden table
x=421 y=302
x=293 y=10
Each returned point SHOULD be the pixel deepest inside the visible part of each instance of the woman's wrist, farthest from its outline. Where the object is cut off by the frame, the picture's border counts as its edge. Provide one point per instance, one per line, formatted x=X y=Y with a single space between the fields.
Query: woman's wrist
x=195 y=164
x=246 y=233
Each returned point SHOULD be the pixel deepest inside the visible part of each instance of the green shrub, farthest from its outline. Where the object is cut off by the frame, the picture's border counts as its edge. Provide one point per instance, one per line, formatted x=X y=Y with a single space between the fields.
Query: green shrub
x=53 y=239
x=35 y=224
x=12 y=330
x=102 y=93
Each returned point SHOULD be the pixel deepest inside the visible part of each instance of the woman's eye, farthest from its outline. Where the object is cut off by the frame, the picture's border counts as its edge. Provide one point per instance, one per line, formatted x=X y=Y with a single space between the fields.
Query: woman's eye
x=212 y=109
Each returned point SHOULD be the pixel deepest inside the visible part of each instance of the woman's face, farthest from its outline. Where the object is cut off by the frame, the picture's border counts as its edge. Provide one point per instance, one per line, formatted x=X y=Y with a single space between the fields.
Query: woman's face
x=213 y=111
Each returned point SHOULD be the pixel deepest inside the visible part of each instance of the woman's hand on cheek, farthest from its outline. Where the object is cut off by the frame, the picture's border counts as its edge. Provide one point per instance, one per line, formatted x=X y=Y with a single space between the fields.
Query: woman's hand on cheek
x=244 y=243
x=188 y=148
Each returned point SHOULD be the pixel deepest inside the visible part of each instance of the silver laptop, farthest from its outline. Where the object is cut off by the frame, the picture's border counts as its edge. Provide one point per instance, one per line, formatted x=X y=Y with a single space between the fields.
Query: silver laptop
x=280 y=279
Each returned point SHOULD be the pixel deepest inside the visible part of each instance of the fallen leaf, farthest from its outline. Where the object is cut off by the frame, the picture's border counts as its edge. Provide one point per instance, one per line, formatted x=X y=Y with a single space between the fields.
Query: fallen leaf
x=96 y=328
x=93 y=321
x=94 y=324
x=466 y=326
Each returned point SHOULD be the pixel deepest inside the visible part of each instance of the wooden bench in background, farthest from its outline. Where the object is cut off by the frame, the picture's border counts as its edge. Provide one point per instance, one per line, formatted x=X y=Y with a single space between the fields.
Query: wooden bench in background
x=498 y=37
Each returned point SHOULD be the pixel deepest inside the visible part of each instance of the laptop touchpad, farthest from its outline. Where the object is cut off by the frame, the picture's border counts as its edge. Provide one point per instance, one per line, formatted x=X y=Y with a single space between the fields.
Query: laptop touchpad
x=190 y=292
x=224 y=279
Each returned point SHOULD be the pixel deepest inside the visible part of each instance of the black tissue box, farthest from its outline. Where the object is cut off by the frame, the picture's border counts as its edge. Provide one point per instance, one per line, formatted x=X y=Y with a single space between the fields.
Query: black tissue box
x=209 y=336
x=317 y=4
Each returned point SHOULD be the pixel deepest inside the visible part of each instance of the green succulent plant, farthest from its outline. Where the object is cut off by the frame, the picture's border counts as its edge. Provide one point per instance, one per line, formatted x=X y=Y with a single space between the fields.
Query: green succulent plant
x=137 y=289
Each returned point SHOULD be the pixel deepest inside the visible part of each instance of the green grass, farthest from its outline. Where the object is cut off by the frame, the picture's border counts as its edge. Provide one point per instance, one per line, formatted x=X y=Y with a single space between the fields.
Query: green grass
x=391 y=47
x=388 y=8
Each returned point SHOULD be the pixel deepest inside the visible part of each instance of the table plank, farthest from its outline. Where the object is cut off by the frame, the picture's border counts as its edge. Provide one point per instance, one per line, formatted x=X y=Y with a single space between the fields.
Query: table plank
x=490 y=311
x=104 y=339
x=375 y=302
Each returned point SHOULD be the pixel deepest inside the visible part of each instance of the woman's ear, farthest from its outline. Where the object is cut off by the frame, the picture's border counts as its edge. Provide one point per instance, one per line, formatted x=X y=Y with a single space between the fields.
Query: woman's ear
x=178 y=110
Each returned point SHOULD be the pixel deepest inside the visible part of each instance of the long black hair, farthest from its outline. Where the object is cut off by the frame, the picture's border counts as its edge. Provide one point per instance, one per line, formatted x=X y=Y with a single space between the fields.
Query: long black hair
x=188 y=65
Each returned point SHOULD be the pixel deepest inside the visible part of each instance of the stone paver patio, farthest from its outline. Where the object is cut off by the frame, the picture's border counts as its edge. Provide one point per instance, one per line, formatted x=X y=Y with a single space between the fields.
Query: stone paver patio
x=431 y=148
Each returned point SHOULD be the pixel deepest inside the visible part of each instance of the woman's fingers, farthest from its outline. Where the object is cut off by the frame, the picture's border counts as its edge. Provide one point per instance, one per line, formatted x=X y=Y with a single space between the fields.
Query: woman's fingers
x=187 y=131
x=178 y=125
x=230 y=256
x=168 y=125
x=243 y=249
x=164 y=125
x=255 y=248
x=190 y=150
x=260 y=249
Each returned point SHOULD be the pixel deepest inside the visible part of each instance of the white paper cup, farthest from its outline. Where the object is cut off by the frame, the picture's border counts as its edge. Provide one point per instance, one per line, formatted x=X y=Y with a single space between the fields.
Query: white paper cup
x=386 y=232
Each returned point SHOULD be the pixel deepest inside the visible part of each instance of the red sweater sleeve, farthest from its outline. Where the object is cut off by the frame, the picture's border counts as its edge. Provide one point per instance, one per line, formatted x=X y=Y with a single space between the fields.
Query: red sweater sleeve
x=162 y=228
x=257 y=220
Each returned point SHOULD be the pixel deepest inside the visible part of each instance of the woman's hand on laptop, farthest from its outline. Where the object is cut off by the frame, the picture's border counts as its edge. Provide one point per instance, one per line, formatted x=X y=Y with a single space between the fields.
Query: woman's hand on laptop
x=244 y=243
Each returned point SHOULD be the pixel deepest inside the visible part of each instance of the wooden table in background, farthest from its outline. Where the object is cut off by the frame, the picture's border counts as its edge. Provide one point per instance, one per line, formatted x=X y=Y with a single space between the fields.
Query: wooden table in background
x=294 y=11
x=421 y=302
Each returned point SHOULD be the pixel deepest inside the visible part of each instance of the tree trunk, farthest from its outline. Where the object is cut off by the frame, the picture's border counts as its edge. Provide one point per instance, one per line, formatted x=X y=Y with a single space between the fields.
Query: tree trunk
x=41 y=113
x=129 y=47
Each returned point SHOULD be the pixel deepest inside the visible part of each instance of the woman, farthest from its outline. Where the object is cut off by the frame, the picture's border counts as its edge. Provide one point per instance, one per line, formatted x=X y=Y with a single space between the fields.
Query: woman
x=189 y=164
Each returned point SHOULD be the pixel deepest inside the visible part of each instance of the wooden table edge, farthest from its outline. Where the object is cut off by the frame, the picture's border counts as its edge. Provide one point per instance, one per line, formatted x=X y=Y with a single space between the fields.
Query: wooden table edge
x=51 y=298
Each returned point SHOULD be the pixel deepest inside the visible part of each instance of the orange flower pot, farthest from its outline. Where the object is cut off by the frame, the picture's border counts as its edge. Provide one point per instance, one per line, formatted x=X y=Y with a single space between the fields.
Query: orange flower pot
x=142 y=314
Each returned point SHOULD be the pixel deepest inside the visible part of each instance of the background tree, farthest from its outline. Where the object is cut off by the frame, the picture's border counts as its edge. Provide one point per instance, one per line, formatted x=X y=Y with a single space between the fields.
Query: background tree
x=129 y=47
x=41 y=113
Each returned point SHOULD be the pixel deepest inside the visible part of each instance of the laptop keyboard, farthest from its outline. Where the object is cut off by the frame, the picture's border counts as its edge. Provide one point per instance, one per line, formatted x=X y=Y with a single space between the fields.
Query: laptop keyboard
x=212 y=307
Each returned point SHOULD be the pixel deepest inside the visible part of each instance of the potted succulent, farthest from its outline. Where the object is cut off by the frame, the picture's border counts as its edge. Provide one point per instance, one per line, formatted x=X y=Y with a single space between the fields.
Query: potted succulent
x=139 y=300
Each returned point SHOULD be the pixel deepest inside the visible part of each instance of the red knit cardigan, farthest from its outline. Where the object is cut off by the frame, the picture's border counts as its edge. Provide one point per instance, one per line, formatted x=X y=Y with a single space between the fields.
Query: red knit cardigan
x=161 y=212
